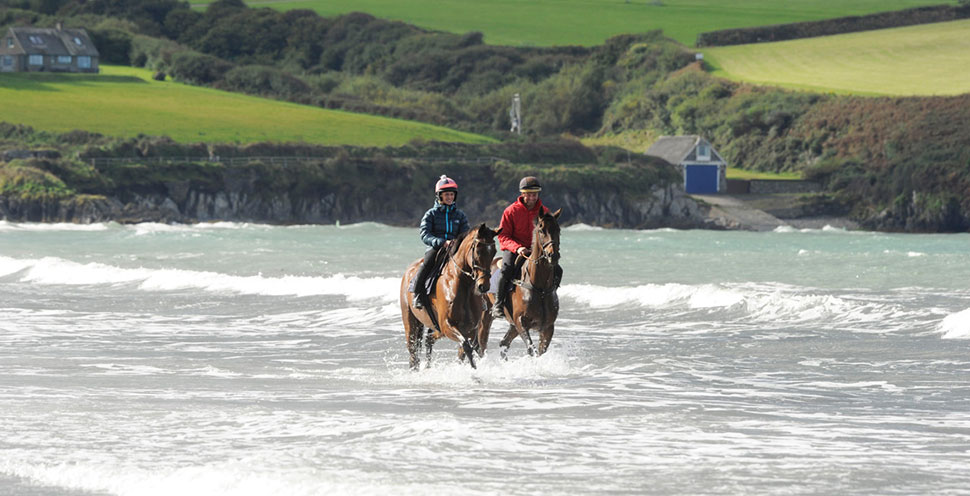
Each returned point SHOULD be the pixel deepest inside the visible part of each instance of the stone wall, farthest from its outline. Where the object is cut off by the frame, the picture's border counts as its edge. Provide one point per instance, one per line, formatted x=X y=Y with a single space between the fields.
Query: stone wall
x=773 y=186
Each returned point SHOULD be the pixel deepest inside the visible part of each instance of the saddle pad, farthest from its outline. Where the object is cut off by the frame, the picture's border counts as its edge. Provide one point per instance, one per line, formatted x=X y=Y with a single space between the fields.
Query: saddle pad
x=493 y=282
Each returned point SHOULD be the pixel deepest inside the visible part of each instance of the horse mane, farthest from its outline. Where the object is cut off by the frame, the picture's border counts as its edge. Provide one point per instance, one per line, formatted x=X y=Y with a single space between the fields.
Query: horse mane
x=453 y=249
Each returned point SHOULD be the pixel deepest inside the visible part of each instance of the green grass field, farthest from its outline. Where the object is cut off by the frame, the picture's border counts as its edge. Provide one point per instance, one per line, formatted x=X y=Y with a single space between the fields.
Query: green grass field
x=122 y=101
x=929 y=59
x=589 y=22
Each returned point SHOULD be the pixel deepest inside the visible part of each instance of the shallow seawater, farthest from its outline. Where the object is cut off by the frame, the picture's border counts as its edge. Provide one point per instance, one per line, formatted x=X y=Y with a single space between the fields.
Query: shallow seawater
x=245 y=359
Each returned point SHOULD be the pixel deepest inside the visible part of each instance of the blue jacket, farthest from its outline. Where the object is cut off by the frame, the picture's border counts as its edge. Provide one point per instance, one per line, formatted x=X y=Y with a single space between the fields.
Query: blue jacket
x=442 y=222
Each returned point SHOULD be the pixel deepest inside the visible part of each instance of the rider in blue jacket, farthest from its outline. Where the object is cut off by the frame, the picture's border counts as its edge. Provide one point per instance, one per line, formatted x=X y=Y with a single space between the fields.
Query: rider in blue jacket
x=441 y=224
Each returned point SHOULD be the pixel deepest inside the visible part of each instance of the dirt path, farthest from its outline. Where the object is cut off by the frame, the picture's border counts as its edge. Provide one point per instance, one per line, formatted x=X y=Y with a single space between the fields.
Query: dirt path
x=748 y=212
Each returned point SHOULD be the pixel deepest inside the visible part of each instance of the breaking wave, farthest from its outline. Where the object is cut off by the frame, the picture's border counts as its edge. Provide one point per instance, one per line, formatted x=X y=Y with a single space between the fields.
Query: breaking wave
x=51 y=271
x=956 y=326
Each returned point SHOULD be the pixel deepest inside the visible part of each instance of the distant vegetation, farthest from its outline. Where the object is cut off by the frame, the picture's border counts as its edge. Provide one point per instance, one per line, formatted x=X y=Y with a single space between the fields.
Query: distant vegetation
x=894 y=163
x=915 y=60
x=590 y=22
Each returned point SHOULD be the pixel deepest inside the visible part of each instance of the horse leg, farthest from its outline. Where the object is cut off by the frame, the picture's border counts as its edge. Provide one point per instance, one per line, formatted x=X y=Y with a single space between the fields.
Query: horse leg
x=468 y=351
x=428 y=342
x=507 y=341
x=530 y=346
x=545 y=337
x=484 y=328
x=414 y=337
x=526 y=337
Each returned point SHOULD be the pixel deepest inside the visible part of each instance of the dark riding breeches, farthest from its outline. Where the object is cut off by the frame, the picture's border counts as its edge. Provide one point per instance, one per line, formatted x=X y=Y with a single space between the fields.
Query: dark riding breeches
x=511 y=266
x=417 y=284
x=510 y=269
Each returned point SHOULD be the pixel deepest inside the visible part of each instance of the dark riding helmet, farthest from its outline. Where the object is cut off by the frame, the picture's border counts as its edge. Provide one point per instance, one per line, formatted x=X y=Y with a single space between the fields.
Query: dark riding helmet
x=445 y=183
x=529 y=184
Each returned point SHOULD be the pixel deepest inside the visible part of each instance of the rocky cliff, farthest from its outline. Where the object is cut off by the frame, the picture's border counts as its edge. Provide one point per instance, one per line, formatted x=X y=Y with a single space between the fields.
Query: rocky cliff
x=662 y=207
x=347 y=190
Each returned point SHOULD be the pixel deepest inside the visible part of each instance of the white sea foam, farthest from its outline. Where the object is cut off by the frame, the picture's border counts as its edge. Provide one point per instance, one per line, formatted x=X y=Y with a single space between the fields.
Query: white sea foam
x=12 y=265
x=52 y=270
x=146 y=228
x=61 y=226
x=824 y=229
x=956 y=326
x=582 y=227
x=650 y=295
x=759 y=302
x=253 y=475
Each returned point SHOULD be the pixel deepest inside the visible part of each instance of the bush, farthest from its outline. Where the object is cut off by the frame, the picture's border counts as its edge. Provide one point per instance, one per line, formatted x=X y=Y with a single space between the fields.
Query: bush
x=114 y=45
x=266 y=81
x=153 y=53
x=198 y=68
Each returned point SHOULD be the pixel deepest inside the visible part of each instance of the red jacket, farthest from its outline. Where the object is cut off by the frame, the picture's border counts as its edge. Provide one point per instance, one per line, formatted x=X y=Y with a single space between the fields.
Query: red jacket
x=517 y=224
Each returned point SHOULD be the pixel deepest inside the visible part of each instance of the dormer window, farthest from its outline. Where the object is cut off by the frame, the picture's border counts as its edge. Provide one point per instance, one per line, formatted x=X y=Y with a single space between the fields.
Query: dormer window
x=9 y=42
x=703 y=152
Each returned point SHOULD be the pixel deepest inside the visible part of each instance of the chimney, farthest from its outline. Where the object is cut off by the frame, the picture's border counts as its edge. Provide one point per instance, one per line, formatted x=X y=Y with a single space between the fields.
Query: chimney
x=59 y=25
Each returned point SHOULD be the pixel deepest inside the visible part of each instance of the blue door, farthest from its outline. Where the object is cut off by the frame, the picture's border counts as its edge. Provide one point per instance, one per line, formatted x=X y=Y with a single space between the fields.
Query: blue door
x=700 y=179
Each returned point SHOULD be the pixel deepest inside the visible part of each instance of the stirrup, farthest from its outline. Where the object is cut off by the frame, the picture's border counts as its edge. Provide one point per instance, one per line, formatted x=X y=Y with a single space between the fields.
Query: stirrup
x=416 y=301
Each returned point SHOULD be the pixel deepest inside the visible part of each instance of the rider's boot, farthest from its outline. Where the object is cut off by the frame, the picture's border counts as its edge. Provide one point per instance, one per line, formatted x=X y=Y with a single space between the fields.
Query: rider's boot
x=417 y=286
x=501 y=292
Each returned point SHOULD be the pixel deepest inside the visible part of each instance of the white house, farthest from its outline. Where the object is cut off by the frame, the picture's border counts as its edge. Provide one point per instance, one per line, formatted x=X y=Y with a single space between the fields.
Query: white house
x=26 y=49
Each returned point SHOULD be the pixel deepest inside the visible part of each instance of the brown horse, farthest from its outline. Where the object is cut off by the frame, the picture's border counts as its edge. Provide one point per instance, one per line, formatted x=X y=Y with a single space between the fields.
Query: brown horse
x=458 y=300
x=533 y=299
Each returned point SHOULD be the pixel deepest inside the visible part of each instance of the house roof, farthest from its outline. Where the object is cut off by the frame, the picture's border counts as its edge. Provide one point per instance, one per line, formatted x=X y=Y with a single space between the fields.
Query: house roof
x=51 y=41
x=673 y=148
x=676 y=149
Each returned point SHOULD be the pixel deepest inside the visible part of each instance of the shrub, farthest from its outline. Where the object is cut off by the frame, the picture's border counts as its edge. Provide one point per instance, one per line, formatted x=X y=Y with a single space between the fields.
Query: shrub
x=153 y=53
x=263 y=80
x=198 y=68
x=114 y=45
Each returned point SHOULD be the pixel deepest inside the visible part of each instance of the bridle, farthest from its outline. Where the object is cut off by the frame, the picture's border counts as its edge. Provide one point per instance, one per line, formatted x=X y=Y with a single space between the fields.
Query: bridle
x=537 y=256
x=552 y=257
x=485 y=271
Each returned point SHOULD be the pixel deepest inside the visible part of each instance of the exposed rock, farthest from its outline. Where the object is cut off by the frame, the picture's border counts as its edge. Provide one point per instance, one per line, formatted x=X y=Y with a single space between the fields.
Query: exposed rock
x=662 y=207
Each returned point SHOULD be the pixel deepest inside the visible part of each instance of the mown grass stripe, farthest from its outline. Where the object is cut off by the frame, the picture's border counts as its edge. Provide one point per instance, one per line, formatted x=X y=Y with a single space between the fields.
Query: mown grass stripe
x=590 y=22
x=126 y=102
x=929 y=59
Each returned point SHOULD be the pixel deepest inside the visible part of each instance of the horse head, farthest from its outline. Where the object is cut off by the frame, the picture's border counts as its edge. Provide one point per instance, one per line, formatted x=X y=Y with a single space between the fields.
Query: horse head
x=476 y=252
x=545 y=237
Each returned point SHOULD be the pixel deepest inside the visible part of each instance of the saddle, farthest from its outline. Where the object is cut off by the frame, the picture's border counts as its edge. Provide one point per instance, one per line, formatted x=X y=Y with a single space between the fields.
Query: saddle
x=437 y=267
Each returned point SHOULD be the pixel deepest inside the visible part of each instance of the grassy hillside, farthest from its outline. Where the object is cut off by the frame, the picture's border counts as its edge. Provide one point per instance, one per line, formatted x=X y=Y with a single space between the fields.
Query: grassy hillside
x=590 y=22
x=929 y=59
x=125 y=102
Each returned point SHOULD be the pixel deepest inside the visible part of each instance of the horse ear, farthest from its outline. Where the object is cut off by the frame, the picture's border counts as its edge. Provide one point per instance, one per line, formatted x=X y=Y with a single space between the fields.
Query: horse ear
x=555 y=214
x=485 y=232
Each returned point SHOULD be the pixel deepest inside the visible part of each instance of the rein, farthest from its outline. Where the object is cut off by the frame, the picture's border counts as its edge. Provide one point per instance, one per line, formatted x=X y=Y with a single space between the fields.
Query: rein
x=475 y=266
x=534 y=259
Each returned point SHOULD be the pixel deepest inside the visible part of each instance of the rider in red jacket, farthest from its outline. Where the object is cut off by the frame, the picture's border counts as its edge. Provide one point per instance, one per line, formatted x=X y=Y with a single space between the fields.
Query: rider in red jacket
x=518 y=220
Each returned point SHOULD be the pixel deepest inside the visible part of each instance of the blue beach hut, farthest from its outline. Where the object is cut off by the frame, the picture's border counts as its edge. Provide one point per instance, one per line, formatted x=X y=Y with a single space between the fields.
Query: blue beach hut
x=703 y=168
